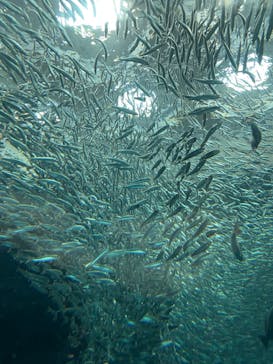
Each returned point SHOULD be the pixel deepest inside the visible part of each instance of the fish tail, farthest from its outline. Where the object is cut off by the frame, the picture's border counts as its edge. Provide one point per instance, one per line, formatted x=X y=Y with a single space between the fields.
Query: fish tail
x=264 y=340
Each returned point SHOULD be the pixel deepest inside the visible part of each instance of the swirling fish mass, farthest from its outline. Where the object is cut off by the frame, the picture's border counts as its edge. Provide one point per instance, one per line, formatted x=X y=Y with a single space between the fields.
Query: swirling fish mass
x=136 y=175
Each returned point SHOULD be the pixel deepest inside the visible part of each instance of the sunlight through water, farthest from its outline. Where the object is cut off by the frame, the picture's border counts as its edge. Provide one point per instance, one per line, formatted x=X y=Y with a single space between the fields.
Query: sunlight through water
x=135 y=99
x=104 y=12
x=255 y=77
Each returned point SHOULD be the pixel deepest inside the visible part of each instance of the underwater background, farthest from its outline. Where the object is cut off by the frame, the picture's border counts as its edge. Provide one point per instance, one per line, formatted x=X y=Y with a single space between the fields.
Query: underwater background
x=136 y=197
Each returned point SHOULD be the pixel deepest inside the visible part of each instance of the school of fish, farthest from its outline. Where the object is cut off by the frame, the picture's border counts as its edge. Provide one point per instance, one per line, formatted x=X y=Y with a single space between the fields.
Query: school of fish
x=129 y=170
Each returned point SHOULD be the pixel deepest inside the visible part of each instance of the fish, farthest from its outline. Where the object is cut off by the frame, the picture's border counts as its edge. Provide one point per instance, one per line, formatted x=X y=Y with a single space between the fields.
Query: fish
x=202 y=110
x=183 y=170
x=157 y=163
x=256 y=136
x=202 y=248
x=173 y=200
x=108 y=193
x=135 y=60
x=234 y=244
x=194 y=153
x=268 y=326
x=136 y=205
x=125 y=110
x=205 y=183
x=161 y=130
x=150 y=218
x=94 y=261
x=210 y=154
x=160 y=172
x=175 y=253
x=200 y=229
x=210 y=132
x=44 y=260
x=176 y=211
x=202 y=97
x=198 y=166
x=270 y=25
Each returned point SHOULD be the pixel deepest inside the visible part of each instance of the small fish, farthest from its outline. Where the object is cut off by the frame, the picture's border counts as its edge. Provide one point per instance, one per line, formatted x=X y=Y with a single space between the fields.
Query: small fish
x=211 y=233
x=268 y=324
x=210 y=132
x=172 y=200
x=256 y=135
x=200 y=229
x=125 y=110
x=205 y=183
x=90 y=264
x=202 y=97
x=201 y=110
x=159 y=173
x=121 y=252
x=176 y=211
x=157 y=163
x=198 y=166
x=153 y=266
x=166 y=344
x=202 y=248
x=270 y=25
x=136 y=205
x=183 y=170
x=106 y=29
x=135 y=60
x=175 y=233
x=165 y=127
x=193 y=153
x=210 y=154
x=150 y=218
x=176 y=251
x=43 y=260
x=234 y=244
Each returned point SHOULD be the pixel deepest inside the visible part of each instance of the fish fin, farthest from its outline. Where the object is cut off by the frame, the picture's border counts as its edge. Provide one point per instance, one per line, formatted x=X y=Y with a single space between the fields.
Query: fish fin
x=264 y=340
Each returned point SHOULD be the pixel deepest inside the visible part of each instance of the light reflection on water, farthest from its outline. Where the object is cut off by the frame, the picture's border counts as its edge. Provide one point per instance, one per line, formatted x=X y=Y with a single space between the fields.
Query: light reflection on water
x=244 y=81
x=107 y=11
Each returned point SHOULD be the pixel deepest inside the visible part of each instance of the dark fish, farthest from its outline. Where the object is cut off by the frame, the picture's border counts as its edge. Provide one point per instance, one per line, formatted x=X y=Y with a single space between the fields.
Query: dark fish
x=210 y=154
x=165 y=127
x=211 y=233
x=257 y=136
x=176 y=251
x=183 y=170
x=210 y=132
x=230 y=56
x=157 y=163
x=175 y=233
x=268 y=326
x=125 y=110
x=204 y=184
x=172 y=200
x=202 y=97
x=198 y=166
x=159 y=173
x=150 y=218
x=169 y=149
x=193 y=153
x=234 y=244
x=176 y=211
x=201 y=110
x=136 y=205
x=201 y=249
x=200 y=229
x=270 y=25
